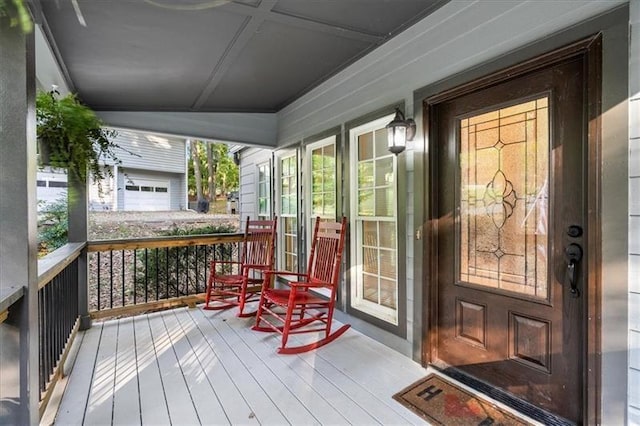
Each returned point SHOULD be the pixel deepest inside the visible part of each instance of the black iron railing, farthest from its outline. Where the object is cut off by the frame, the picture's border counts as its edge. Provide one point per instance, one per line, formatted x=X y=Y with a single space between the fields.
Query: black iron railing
x=127 y=276
x=58 y=312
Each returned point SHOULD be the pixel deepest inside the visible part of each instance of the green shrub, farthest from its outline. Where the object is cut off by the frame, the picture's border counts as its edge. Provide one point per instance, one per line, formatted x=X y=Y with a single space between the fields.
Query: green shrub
x=210 y=229
x=53 y=226
x=179 y=271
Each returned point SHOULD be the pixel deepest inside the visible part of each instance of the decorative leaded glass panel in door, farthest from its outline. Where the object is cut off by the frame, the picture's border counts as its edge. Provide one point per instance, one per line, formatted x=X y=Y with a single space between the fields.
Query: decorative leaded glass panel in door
x=504 y=174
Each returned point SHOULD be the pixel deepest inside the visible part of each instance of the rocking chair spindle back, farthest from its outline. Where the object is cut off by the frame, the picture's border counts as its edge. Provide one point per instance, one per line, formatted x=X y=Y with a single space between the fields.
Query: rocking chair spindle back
x=297 y=309
x=237 y=282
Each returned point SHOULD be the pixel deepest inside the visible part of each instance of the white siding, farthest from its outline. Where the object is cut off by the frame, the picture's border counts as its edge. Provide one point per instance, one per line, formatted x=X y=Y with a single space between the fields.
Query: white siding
x=154 y=152
x=51 y=186
x=634 y=216
x=251 y=158
x=101 y=196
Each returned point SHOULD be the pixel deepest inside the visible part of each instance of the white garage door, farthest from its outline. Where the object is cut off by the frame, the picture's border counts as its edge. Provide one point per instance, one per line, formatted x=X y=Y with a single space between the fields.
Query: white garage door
x=146 y=195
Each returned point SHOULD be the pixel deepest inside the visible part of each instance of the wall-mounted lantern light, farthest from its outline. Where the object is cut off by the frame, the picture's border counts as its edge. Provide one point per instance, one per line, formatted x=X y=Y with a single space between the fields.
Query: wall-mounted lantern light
x=400 y=130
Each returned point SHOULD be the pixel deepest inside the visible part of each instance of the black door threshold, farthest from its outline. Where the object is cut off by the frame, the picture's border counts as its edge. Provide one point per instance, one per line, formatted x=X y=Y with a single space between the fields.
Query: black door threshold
x=517 y=404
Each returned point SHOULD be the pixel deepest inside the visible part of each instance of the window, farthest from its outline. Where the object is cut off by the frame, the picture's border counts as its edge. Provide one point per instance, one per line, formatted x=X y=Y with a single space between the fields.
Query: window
x=57 y=184
x=288 y=247
x=320 y=190
x=321 y=182
x=374 y=288
x=321 y=200
x=162 y=189
x=264 y=191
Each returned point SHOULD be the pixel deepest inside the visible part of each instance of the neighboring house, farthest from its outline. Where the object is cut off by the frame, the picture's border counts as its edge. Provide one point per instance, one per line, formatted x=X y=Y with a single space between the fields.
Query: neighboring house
x=52 y=186
x=154 y=179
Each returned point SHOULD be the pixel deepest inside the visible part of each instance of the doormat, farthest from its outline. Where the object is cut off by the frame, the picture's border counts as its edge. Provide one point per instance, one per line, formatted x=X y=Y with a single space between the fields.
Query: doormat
x=444 y=403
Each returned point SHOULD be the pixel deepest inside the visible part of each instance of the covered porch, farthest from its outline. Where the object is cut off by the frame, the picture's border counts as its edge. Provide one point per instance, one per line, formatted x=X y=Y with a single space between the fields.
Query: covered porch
x=187 y=366
x=190 y=366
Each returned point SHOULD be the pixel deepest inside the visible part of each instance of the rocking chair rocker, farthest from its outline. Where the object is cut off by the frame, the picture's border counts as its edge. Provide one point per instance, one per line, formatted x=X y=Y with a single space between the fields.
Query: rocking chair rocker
x=234 y=283
x=297 y=309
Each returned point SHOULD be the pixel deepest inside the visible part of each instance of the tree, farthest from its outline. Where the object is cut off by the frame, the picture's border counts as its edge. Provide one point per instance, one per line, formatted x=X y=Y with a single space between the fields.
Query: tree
x=211 y=170
x=195 y=158
x=227 y=175
x=212 y=160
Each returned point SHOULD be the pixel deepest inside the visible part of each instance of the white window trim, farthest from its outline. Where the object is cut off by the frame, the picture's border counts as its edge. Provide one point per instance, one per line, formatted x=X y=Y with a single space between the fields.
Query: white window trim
x=308 y=201
x=267 y=165
x=278 y=205
x=357 y=300
x=331 y=140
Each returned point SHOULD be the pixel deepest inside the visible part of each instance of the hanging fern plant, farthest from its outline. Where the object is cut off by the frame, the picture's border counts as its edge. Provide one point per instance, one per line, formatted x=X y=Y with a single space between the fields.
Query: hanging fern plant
x=71 y=136
x=14 y=13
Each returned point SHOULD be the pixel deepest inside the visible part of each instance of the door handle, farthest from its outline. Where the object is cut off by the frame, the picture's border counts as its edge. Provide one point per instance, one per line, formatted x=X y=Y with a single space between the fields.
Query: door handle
x=573 y=254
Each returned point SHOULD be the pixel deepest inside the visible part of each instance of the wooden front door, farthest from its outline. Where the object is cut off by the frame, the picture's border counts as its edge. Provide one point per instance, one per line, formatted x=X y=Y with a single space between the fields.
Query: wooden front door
x=508 y=205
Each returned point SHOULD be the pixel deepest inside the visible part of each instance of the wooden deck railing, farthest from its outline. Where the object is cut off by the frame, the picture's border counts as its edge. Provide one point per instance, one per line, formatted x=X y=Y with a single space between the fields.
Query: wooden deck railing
x=125 y=277
x=137 y=275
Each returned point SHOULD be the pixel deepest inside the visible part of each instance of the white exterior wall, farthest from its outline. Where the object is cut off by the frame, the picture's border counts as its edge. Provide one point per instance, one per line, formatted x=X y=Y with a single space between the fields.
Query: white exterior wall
x=102 y=198
x=251 y=158
x=634 y=216
x=154 y=152
x=159 y=157
x=47 y=192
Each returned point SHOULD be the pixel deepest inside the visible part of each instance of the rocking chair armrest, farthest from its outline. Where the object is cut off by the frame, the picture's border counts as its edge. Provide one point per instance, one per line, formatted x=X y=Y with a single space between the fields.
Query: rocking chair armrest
x=225 y=262
x=293 y=274
x=255 y=265
x=309 y=285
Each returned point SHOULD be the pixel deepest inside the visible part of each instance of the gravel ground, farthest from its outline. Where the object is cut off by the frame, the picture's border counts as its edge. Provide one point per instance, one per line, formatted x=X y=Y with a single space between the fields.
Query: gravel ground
x=116 y=225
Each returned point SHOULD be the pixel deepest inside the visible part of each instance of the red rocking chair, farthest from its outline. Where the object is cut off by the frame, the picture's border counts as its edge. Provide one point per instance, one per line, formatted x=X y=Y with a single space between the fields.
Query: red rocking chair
x=234 y=283
x=297 y=309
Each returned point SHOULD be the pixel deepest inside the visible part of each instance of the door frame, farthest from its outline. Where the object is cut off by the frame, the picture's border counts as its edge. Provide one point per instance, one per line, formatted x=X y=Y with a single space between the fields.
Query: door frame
x=591 y=50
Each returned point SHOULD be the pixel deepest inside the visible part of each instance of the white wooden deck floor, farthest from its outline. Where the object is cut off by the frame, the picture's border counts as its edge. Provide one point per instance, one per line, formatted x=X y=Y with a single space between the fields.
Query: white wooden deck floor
x=189 y=366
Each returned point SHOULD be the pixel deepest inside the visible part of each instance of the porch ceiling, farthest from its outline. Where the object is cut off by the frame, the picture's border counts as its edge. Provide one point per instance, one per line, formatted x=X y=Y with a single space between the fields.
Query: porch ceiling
x=214 y=55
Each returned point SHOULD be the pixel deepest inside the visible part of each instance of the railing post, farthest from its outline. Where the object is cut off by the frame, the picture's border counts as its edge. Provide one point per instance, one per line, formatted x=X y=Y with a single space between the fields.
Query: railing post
x=78 y=207
x=19 y=392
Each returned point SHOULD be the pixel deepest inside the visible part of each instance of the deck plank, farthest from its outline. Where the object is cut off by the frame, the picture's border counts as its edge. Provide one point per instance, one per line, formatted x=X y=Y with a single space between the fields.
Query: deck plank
x=294 y=369
x=74 y=400
x=291 y=407
x=213 y=371
x=100 y=405
x=126 y=397
x=153 y=401
x=263 y=407
x=308 y=395
x=205 y=400
x=179 y=402
x=372 y=375
x=189 y=366
x=368 y=383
